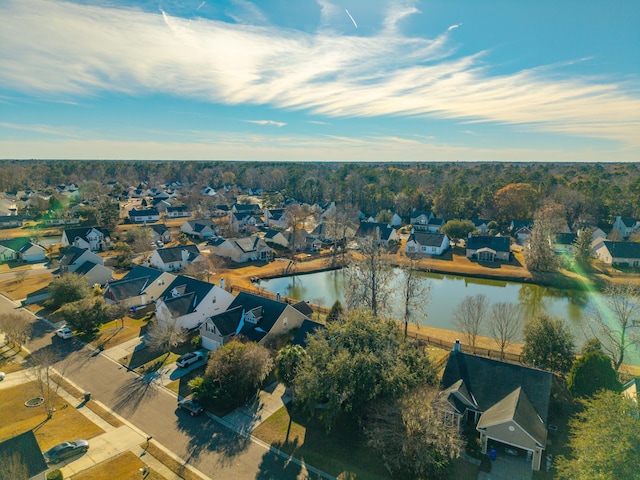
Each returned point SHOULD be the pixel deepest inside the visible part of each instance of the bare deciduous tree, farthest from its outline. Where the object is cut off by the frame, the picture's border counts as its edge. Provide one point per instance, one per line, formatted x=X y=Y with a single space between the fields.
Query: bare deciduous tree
x=367 y=280
x=415 y=292
x=469 y=316
x=618 y=320
x=162 y=335
x=16 y=327
x=505 y=324
x=296 y=216
x=13 y=467
x=43 y=375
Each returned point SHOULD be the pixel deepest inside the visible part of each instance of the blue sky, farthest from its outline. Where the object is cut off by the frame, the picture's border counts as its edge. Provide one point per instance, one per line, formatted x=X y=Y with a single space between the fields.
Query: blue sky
x=353 y=80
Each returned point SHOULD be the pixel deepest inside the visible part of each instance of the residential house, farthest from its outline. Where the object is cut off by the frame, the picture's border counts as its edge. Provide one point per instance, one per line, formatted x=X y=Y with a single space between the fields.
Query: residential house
x=250 y=208
x=162 y=206
x=618 y=253
x=75 y=257
x=488 y=249
x=138 y=288
x=160 y=233
x=246 y=249
x=419 y=220
x=626 y=226
x=92 y=238
x=631 y=389
x=208 y=192
x=199 y=228
x=25 y=450
x=380 y=231
x=276 y=237
x=521 y=230
x=179 y=211
x=312 y=244
x=326 y=209
x=427 y=243
x=174 y=259
x=299 y=243
x=144 y=215
x=257 y=318
x=21 y=249
x=564 y=243
x=11 y=221
x=275 y=217
x=189 y=302
x=240 y=220
x=435 y=224
x=482 y=226
x=94 y=274
x=326 y=231
x=512 y=411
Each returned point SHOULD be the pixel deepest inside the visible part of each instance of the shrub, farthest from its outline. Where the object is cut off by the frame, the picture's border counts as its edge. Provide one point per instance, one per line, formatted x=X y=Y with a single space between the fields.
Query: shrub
x=54 y=475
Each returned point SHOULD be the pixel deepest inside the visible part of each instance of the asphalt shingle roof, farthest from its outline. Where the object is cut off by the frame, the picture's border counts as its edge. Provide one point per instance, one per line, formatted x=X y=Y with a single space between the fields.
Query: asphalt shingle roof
x=499 y=244
x=174 y=254
x=427 y=239
x=623 y=249
x=29 y=454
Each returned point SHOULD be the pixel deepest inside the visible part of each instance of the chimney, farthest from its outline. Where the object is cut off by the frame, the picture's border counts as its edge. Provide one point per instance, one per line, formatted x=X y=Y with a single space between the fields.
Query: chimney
x=185 y=255
x=222 y=283
x=278 y=297
x=456 y=346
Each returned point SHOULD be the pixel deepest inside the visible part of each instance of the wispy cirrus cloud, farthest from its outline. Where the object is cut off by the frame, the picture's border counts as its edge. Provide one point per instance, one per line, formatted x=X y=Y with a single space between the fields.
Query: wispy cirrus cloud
x=266 y=122
x=84 y=50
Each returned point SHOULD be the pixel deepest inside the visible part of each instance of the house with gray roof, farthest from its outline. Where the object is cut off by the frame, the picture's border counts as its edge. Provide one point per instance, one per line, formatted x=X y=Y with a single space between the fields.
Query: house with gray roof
x=21 y=249
x=174 y=259
x=138 y=288
x=257 y=318
x=381 y=232
x=94 y=274
x=11 y=221
x=512 y=411
x=75 y=257
x=144 y=215
x=203 y=228
x=485 y=248
x=178 y=211
x=91 y=238
x=427 y=243
x=246 y=249
x=626 y=226
x=419 y=220
x=277 y=237
x=618 y=253
x=189 y=302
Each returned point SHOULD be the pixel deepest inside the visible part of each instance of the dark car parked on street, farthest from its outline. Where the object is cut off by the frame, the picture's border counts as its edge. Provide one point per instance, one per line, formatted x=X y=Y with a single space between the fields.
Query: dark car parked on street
x=191 y=406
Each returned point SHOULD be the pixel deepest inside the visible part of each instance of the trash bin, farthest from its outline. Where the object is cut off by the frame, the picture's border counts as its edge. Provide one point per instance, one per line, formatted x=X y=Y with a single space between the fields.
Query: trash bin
x=87 y=396
x=493 y=453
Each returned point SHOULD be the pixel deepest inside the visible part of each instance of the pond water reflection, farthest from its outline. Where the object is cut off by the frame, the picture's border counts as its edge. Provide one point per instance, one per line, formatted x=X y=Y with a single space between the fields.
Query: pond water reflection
x=324 y=288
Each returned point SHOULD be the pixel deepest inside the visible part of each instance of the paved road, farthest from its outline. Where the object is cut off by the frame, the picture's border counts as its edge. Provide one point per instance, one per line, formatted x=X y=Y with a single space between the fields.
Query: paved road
x=202 y=442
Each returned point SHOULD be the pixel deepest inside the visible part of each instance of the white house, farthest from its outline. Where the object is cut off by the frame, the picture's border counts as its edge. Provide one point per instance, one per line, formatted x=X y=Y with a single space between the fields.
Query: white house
x=199 y=228
x=94 y=273
x=145 y=215
x=91 y=238
x=380 y=231
x=246 y=249
x=427 y=243
x=488 y=249
x=277 y=237
x=419 y=220
x=174 y=259
x=180 y=211
x=189 y=302
x=618 y=253
x=23 y=249
x=275 y=217
x=627 y=226
x=32 y=253
x=257 y=318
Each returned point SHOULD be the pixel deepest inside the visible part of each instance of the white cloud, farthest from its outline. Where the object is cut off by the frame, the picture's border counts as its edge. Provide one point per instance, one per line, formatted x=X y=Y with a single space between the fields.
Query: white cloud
x=266 y=122
x=84 y=50
x=453 y=27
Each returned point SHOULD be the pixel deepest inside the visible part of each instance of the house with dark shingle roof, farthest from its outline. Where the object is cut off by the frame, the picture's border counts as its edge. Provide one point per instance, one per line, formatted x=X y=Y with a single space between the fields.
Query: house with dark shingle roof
x=174 y=259
x=203 y=228
x=144 y=215
x=75 y=257
x=564 y=243
x=419 y=220
x=245 y=249
x=138 y=288
x=307 y=328
x=382 y=232
x=26 y=451
x=512 y=411
x=275 y=217
x=21 y=248
x=626 y=226
x=277 y=237
x=427 y=243
x=94 y=274
x=160 y=232
x=91 y=238
x=189 y=302
x=488 y=249
x=257 y=318
x=178 y=211
x=618 y=253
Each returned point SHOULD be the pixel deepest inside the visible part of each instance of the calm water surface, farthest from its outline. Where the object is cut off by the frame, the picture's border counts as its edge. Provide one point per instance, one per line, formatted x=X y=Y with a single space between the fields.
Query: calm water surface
x=446 y=292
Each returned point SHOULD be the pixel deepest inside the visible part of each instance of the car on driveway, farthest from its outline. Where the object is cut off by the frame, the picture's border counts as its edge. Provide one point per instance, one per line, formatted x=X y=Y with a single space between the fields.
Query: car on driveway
x=65 y=450
x=189 y=359
x=191 y=406
x=64 y=332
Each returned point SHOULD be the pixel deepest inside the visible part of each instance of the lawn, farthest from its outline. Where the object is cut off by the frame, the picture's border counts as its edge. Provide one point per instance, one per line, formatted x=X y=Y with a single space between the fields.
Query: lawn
x=67 y=423
x=10 y=360
x=339 y=453
x=125 y=466
x=19 y=289
x=114 y=333
x=181 y=385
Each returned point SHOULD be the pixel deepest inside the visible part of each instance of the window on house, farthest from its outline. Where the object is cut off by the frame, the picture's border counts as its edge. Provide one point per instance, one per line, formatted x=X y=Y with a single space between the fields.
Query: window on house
x=213 y=299
x=285 y=322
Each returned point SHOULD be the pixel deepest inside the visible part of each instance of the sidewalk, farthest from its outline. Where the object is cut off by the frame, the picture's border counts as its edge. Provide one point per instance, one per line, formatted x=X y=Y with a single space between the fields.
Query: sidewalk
x=245 y=419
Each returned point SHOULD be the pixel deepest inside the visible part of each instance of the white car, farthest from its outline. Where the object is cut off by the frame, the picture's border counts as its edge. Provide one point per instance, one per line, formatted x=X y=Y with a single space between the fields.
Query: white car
x=64 y=332
x=2 y=375
x=189 y=359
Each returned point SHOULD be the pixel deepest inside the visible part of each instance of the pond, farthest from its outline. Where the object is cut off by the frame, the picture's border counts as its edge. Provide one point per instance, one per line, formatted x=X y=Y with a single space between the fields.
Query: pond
x=446 y=292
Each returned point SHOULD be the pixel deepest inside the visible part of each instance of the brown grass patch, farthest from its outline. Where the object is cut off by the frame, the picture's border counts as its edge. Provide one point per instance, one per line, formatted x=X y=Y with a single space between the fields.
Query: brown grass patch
x=67 y=423
x=17 y=290
x=125 y=466
x=114 y=333
x=169 y=462
x=10 y=360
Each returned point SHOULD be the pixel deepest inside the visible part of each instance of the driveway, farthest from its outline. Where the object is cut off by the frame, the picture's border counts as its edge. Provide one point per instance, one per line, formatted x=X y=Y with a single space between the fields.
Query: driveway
x=506 y=467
